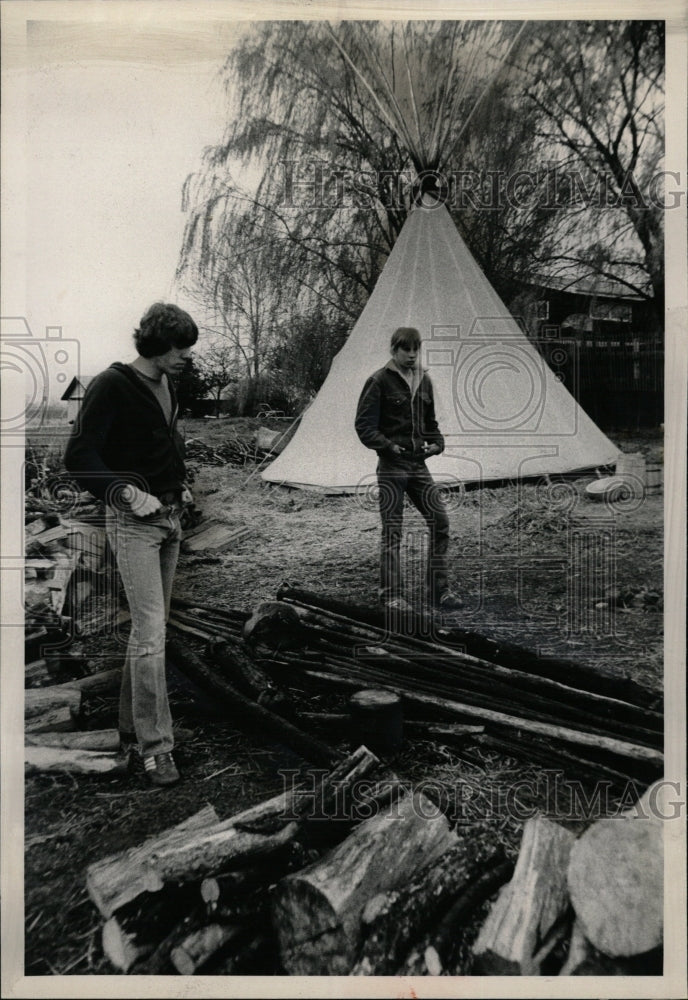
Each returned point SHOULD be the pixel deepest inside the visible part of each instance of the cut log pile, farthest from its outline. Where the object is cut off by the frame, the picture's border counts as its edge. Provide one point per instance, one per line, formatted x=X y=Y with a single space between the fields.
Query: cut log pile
x=597 y=901
x=314 y=881
x=457 y=684
x=70 y=582
x=354 y=873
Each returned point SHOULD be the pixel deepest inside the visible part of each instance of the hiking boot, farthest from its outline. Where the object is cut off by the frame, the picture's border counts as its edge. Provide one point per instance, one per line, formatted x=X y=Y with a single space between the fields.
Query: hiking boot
x=160 y=769
x=448 y=602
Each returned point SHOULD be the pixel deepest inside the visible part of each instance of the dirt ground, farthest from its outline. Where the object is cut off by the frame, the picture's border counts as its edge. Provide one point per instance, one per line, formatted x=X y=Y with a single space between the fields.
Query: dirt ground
x=541 y=565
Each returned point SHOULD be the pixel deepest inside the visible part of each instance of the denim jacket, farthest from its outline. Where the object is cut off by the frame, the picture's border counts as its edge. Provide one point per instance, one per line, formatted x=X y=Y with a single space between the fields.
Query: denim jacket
x=388 y=414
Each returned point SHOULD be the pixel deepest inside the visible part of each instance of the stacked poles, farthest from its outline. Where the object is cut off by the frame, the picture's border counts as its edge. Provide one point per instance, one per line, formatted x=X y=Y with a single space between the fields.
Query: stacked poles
x=537 y=716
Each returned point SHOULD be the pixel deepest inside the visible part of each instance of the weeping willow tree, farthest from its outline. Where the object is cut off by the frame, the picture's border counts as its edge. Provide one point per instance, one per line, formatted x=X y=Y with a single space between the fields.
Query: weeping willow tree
x=343 y=123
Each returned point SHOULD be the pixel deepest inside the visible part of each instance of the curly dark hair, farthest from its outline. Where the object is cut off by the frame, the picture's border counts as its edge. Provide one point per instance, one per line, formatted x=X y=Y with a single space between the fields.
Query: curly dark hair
x=162 y=327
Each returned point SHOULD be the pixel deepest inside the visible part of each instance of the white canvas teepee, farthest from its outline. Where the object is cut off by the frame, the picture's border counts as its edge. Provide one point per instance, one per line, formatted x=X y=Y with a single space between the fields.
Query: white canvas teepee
x=503 y=411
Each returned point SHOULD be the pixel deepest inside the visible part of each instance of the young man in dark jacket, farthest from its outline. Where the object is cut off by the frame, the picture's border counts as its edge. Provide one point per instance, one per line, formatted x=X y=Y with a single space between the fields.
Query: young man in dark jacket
x=396 y=418
x=126 y=450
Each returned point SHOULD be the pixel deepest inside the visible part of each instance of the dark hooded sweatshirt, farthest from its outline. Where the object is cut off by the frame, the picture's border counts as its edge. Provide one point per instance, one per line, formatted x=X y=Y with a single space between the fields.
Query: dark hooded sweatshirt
x=121 y=436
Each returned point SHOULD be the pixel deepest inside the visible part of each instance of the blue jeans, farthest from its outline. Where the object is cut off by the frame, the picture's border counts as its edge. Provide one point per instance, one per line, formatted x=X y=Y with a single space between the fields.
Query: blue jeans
x=397 y=478
x=146 y=552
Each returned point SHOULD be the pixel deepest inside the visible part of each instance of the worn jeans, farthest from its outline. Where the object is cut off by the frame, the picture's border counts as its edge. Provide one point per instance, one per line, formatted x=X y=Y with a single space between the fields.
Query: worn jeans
x=396 y=479
x=146 y=552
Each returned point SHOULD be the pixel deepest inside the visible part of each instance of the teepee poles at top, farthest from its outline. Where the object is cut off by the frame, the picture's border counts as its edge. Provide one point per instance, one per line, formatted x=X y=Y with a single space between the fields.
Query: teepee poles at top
x=426 y=154
x=395 y=126
x=487 y=87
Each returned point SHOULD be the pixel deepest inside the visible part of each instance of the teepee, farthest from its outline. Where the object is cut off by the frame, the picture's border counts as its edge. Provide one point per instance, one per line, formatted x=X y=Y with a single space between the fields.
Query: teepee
x=503 y=411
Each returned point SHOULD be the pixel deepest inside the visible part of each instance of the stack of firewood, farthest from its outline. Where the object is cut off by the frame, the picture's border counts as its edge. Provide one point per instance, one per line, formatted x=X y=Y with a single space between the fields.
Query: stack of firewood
x=354 y=873
x=69 y=572
x=52 y=715
x=342 y=874
x=596 y=901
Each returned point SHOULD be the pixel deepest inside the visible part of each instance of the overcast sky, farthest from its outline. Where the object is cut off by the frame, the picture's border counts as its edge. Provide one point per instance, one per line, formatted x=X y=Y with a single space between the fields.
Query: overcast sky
x=111 y=118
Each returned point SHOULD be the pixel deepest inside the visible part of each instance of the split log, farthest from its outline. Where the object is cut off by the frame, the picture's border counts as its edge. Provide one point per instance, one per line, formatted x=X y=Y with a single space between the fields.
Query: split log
x=616 y=883
x=530 y=905
x=56 y=719
x=103 y=740
x=391 y=922
x=437 y=953
x=201 y=945
x=37 y=701
x=158 y=961
x=579 y=950
x=192 y=855
x=120 y=878
x=119 y=947
x=246 y=713
x=73 y=761
x=138 y=927
x=36 y=673
x=317 y=912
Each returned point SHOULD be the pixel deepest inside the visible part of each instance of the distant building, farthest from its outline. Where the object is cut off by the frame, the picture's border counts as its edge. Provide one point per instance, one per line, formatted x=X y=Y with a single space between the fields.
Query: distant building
x=604 y=344
x=74 y=393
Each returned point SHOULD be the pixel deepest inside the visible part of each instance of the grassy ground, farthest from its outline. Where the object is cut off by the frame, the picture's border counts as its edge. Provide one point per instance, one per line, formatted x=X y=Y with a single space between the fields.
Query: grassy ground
x=555 y=572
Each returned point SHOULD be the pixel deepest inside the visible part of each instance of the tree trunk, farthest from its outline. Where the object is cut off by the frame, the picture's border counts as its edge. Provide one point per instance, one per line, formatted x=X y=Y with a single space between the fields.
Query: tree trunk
x=120 y=878
x=530 y=905
x=37 y=701
x=56 y=719
x=73 y=761
x=392 y=922
x=317 y=912
x=209 y=849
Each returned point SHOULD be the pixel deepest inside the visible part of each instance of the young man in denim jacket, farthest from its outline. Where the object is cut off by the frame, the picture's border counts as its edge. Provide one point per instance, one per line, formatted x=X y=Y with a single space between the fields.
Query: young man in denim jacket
x=396 y=418
x=126 y=450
